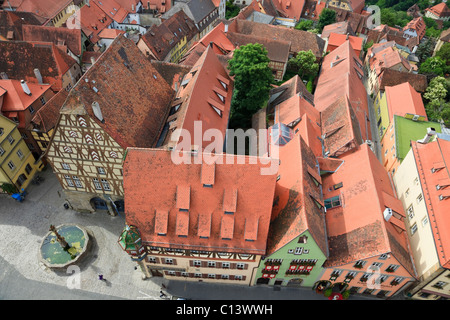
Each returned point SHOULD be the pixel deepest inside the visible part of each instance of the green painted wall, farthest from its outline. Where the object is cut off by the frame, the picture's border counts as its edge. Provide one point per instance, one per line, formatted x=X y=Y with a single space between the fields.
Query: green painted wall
x=294 y=251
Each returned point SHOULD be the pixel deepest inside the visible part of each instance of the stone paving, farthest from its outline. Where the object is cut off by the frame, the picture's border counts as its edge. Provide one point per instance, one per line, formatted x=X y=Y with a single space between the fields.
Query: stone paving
x=23 y=226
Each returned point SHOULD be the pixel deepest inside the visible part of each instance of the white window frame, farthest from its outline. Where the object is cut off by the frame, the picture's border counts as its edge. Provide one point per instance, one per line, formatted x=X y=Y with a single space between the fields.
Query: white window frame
x=65 y=166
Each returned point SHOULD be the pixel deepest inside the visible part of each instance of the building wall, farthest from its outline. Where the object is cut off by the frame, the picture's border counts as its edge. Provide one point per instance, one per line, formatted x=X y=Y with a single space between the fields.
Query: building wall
x=64 y=14
x=17 y=154
x=298 y=263
x=410 y=193
x=205 y=266
x=86 y=160
x=375 y=268
x=382 y=112
x=436 y=288
x=71 y=77
x=388 y=148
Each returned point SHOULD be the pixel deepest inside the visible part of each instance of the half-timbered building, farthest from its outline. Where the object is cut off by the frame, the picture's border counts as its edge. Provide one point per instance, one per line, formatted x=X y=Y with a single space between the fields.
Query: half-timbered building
x=120 y=102
x=203 y=219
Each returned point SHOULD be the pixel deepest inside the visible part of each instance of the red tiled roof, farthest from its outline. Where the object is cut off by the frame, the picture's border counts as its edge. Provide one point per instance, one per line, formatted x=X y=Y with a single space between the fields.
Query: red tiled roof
x=342 y=27
x=300 y=40
x=441 y=10
x=47 y=9
x=340 y=76
x=199 y=98
x=69 y=37
x=18 y=59
x=112 y=9
x=152 y=203
x=340 y=129
x=295 y=208
x=110 y=33
x=402 y=99
x=417 y=24
x=436 y=155
x=352 y=235
x=335 y=40
x=162 y=38
x=93 y=20
x=16 y=99
x=133 y=97
x=289 y=8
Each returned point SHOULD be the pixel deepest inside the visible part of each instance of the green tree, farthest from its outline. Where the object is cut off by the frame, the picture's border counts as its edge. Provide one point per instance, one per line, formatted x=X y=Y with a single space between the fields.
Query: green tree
x=437 y=107
x=433 y=66
x=304 y=25
x=252 y=79
x=327 y=16
x=444 y=52
x=231 y=10
x=425 y=49
x=305 y=64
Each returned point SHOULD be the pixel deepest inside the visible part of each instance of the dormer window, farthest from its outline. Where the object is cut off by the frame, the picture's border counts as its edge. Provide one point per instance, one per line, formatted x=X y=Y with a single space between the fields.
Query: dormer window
x=221 y=97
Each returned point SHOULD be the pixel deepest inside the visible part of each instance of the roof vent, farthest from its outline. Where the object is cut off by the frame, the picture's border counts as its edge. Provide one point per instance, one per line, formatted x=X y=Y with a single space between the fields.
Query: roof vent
x=387 y=214
x=25 y=87
x=97 y=111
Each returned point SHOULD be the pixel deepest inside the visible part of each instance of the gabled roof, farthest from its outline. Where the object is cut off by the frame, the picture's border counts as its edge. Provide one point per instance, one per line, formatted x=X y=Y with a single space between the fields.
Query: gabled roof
x=340 y=128
x=387 y=58
x=173 y=73
x=357 y=228
x=162 y=38
x=342 y=27
x=11 y=23
x=341 y=75
x=289 y=8
x=287 y=90
x=46 y=9
x=92 y=20
x=110 y=33
x=402 y=99
x=18 y=59
x=113 y=9
x=336 y=39
x=133 y=97
x=230 y=214
x=390 y=77
x=433 y=161
x=16 y=99
x=59 y=36
x=441 y=10
x=297 y=198
x=300 y=40
x=417 y=24
x=46 y=117
x=197 y=10
x=277 y=50
x=199 y=99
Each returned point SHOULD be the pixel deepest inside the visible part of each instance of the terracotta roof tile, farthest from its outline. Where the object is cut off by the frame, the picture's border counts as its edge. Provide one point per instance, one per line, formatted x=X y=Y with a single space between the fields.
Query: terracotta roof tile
x=70 y=37
x=18 y=59
x=300 y=40
x=295 y=209
x=206 y=216
x=436 y=155
x=351 y=235
x=160 y=39
x=402 y=99
x=46 y=117
x=141 y=96
x=390 y=77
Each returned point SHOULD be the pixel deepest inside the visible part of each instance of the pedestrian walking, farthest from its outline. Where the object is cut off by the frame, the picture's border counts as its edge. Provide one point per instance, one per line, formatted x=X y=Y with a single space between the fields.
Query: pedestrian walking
x=162 y=294
x=100 y=277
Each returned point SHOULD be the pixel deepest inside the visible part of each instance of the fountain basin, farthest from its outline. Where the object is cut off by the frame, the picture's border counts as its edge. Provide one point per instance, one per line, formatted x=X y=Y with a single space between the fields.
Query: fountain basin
x=53 y=255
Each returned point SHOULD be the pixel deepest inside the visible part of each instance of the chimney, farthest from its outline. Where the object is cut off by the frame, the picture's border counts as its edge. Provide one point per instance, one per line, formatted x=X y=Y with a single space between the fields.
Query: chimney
x=92 y=60
x=25 y=87
x=430 y=133
x=347 y=36
x=225 y=30
x=38 y=75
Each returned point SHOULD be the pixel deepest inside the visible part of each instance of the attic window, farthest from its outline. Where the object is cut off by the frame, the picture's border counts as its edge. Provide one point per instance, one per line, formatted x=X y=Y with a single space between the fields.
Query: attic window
x=221 y=97
x=174 y=109
x=332 y=202
x=224 y=85
x=217 y=110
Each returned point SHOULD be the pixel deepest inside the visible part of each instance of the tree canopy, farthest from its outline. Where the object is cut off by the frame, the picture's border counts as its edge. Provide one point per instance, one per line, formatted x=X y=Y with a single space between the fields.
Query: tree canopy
x=305 y=63
x=433 y=66
x=327 y=16
x=253 y=77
